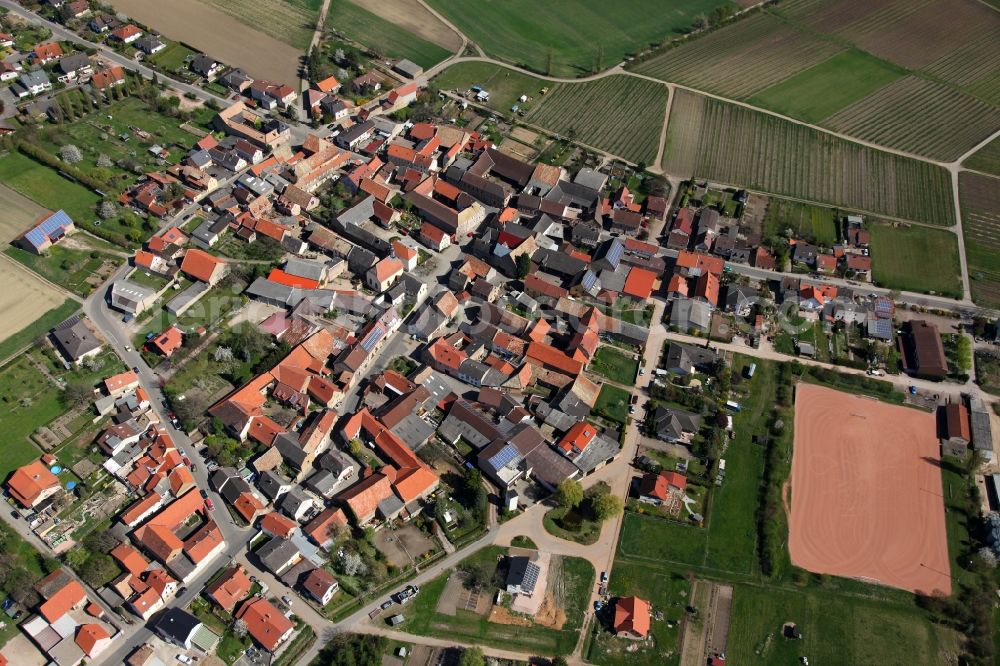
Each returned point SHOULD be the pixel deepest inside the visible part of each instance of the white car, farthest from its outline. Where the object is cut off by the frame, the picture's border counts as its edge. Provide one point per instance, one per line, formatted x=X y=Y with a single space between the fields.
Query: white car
x=184 y=659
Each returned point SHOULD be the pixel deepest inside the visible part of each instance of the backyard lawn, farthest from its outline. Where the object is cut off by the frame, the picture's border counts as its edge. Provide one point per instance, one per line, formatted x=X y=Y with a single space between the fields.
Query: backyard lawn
x=616 y=366
x=504 y=85
x=612 y=403
x=576 y=581
x=173 y=57
x=816 y=224
x=69 y=268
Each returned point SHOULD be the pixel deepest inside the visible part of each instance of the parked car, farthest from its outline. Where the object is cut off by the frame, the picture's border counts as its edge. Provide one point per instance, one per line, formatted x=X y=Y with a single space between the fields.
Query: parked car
x=184 y=659
x=204 y=493
x=386 y=604
x=287 y=600
x=210 y=504
x=604 y=577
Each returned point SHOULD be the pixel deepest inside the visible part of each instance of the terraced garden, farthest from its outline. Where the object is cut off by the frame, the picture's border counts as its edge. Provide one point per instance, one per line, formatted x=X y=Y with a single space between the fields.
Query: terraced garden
x=980 y=199
x=708 y=138
x=622 y=115
x=919 y=116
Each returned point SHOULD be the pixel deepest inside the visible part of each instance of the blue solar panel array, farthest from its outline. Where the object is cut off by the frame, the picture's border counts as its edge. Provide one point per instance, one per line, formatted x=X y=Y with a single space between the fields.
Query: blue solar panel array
x=51 y=228
x=614 y=254
x=589 y=280
x=504 y=457
x=372 y=338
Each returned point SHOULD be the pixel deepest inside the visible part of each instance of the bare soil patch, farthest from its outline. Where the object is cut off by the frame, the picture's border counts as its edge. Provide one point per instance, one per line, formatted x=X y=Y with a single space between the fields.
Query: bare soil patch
x=219 y=35
x=412 y=16
x=25 y=299
x=867 y=499
x=19 y=212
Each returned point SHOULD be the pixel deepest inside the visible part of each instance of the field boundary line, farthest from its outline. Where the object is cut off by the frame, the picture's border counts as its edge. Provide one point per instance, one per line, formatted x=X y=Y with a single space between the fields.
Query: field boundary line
x=666 y=122
x=62 y=290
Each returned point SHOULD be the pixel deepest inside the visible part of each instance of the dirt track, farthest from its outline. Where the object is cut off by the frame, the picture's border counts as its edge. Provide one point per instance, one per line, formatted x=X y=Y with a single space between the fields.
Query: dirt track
x=413 y=16
x=866 y=492
x=219 y=35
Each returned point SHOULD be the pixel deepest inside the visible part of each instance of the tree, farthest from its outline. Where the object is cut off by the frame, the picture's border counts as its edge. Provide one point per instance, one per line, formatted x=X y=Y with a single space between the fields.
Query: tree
x=99 y=570
x=963 y=354
x=353 y=565
x=607 y=506
x=77 y=393
x=240 y=628
x=523 y=265
x=569 y=493
x=472 y=657
x=107 y=210
x=70 y=154
x=560 y=661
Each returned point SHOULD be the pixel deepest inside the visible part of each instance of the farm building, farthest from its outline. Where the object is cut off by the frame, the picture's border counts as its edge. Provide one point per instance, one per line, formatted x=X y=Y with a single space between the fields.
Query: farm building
x=47 y=231
x=632 y=618
x=922 y=351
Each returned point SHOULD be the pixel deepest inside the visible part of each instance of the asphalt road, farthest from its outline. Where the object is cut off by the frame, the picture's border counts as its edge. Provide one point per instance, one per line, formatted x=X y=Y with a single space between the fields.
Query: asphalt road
x=66 y=35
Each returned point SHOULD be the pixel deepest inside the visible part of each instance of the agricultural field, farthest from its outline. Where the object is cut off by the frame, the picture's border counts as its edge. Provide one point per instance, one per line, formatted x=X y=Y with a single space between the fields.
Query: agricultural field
x=902 y=253
x=25 y=299
x=621 y=115
x=740 y=59
x=816 y=224
x=986 y=159
x=835 y=628
x=290 y=21
x=413 y=16
x=980 y=200
x=843 y=64
x=20 y=213
x=46 y=187
x=824 y=89
x=14 y=339
x=708 y=138
x=364 y=27
x=505 y=86
x=919 y=116
x=600 y=35
x=235 y=32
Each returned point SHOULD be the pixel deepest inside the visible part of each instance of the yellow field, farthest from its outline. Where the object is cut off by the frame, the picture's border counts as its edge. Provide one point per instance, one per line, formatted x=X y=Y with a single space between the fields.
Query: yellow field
x=26 y=297
x=18 y=213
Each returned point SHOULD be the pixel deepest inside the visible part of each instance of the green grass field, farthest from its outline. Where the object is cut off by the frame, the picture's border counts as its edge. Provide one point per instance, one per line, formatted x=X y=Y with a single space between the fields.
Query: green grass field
x=668 y=592
x=616 y=366
x=824 y=89
x=46 y=187
x=836 y=629
x=901 y=256
x=577 y=580
x=622 y=115
x=817 y=224
x=66 y=267
x=577 y=36
x=387 y=38
x=986 y=159
x=612 y=403
x=173 y=57
x=504 y=85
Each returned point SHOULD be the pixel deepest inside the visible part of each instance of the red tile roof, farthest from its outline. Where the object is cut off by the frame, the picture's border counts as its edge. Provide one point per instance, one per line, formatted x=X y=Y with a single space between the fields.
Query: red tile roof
x=553 y=359
x=66 y=598
x=248 y=506
x=89 y=636
x=701 y=261
x=264 y=622
x=168 y=341
x=130 y=559
x=230 y=588
x=28 y=483
x=200 y=264
x=277 y=525
x=639 y=282
x=632 y=616
x=578 y=437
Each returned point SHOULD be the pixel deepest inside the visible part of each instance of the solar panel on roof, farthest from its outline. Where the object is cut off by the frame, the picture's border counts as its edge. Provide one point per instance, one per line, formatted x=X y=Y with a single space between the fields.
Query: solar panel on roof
x=615 y=252
x=530 y=578
x=51 y=227
x=589 y=280
x=372 y=338
x=504 y=457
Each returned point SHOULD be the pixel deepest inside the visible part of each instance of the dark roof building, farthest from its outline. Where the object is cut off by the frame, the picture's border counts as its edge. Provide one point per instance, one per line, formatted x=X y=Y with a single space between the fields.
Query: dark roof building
x=923 y=353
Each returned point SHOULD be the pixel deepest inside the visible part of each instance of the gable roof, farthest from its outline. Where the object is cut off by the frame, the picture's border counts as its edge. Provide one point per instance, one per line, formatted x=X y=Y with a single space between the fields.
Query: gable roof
x=27 y=483
x=264 y=622
x=200 y=264
x=632 y=616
